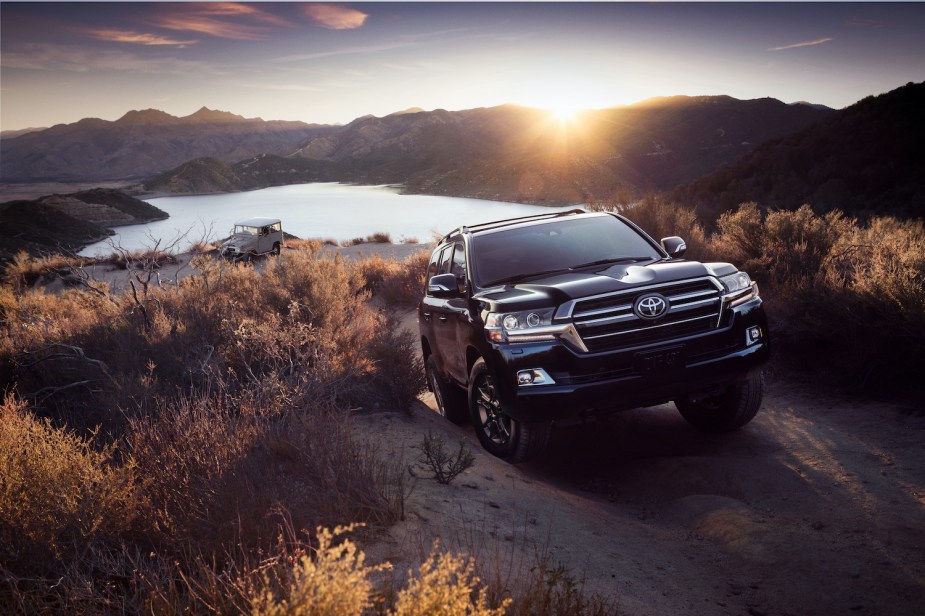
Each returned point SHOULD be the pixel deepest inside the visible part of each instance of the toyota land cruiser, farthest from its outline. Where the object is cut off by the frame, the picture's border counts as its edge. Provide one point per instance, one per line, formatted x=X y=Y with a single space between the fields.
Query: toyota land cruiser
x=253 y=237
x=535 y=321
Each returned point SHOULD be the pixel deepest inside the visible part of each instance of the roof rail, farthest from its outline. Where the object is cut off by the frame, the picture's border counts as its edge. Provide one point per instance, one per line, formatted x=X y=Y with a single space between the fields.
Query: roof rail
x=488 y=225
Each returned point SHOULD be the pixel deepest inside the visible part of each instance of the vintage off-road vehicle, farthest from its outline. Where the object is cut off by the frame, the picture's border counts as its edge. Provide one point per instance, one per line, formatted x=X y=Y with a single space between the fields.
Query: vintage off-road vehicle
x=555 y=318
x=253 y=237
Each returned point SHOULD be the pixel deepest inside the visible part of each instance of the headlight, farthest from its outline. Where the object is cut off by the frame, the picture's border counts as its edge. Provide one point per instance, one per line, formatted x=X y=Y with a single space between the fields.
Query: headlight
x=523 y=326
x=739 y=288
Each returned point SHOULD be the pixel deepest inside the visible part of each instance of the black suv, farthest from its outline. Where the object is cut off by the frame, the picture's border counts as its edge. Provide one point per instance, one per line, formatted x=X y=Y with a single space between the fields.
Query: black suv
x=560 y=317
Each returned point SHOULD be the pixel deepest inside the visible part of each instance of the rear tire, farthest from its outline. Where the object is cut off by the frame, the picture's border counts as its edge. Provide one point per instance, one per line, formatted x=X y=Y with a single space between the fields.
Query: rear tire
x=275 y=250
x=725 y=412
x=499 y=433
x=451 y=400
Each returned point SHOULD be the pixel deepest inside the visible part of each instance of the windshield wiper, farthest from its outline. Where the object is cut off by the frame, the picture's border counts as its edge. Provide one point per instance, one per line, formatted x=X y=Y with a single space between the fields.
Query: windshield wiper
x=519 y=277
x=616 y=260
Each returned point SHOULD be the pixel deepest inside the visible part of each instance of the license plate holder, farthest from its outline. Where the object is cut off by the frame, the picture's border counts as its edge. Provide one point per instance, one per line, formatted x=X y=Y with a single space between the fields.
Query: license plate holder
x=660 y=360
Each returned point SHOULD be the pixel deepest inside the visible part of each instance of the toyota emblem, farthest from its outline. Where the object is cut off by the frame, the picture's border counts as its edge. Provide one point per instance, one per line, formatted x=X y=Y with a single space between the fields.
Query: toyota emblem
x=651 y=306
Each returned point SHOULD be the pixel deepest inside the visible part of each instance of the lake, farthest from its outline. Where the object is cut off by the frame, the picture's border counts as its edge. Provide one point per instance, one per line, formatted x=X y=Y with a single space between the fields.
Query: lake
x=327 y=210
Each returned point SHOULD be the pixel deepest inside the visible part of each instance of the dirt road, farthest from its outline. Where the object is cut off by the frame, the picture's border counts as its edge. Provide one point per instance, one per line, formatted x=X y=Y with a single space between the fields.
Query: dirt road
x=816 y=507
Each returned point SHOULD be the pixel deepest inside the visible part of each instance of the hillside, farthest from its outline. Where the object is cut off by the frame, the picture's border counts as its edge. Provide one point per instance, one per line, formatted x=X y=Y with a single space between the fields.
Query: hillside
x=140 y=144
x=58 y=223
x=523 y=154
x=506 y=152
x=210 y=175
x=867 y=158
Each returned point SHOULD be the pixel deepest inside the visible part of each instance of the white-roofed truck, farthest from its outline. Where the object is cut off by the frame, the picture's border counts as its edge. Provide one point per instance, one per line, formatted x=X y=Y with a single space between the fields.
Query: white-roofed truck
x=253 y=237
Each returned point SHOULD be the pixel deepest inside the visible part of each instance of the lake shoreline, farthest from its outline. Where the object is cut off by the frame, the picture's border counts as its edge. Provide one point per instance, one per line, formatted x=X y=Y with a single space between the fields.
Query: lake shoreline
x=324 y=210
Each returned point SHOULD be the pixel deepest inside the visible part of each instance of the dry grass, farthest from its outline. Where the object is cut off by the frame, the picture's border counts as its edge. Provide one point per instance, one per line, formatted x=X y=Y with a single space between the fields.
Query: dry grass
x=199 y=389
x=380 y=237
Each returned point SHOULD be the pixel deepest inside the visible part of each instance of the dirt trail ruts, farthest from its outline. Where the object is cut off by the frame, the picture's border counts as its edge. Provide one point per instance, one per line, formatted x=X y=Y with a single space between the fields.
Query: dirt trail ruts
x=816 y=507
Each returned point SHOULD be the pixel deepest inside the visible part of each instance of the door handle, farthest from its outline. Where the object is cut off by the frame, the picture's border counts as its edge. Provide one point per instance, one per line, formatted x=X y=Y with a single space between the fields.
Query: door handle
x=442 y=318
x=426 y=316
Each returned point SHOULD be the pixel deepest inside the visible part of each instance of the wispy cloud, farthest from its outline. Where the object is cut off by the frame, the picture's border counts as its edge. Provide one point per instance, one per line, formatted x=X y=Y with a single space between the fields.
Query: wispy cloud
x=211 y=26
x=243 y=10
x=70 y=58
x=803 y=44
x=335 y=16
x=130 y=36
x=229 y=20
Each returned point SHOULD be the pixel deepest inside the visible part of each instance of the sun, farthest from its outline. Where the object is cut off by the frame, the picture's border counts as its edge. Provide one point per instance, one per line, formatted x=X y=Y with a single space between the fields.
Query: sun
x=566 y=115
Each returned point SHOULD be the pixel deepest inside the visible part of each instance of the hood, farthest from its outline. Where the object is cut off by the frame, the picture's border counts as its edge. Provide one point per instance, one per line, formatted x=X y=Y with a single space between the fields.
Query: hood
x=239 y=240
x=559 y=288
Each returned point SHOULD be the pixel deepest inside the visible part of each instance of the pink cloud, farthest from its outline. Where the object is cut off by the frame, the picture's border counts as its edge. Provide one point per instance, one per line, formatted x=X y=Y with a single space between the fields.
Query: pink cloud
x=220 y=19
x=335 y=16
x=803 y=44
x=130 y=36
x=208 y=25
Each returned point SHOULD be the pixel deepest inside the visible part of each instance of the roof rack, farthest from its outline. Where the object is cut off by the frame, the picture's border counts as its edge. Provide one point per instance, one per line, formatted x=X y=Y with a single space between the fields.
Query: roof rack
x=489 y=225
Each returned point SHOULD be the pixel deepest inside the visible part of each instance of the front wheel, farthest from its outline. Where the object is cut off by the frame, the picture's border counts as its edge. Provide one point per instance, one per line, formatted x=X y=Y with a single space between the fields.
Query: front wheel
x=500 y=434
x=727 y=411
x=275 y=251
x=451 y=400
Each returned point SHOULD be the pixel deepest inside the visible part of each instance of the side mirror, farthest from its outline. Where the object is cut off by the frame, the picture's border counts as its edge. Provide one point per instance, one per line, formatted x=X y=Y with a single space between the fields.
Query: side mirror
x=674 y=246
x=443 y=285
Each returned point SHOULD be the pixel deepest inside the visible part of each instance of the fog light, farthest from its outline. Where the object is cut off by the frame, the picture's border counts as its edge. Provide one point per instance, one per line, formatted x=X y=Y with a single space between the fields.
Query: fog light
x=754 y=334
x=536 y=376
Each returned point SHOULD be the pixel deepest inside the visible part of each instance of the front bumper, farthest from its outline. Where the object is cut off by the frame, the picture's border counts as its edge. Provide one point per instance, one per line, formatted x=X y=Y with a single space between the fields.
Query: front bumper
x=588 y=384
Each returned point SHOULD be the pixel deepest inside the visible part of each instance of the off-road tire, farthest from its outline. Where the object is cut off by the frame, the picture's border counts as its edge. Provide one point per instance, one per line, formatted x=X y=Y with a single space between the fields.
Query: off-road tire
x=499 y=433
x=725 y=412
x=275 y=250
x=450 y=399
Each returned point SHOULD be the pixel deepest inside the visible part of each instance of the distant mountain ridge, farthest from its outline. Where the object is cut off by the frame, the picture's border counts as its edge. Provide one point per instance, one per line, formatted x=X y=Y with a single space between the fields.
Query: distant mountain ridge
x=523 y=154
x=142 y=143
x=867 y=158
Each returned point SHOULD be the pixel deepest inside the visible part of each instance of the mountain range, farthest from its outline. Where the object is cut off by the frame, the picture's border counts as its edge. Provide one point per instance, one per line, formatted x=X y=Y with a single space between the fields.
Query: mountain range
x=517 y=153
x=711 y=151
x=140 y=144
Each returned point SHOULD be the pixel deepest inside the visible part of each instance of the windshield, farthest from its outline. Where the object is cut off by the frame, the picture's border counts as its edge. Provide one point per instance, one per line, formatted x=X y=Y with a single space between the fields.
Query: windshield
x=513 y=254
x=243 y=230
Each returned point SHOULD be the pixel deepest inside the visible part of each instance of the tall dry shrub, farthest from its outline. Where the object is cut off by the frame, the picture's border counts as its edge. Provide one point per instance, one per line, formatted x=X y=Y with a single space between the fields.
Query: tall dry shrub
x=398 y=369
x=840 y=294
x=445 y=585
x=184 y=449
x=58 y=492
x=334 y=580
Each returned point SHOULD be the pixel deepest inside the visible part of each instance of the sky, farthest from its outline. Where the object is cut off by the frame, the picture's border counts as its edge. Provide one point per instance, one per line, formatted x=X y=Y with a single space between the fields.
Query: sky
x=332 y=63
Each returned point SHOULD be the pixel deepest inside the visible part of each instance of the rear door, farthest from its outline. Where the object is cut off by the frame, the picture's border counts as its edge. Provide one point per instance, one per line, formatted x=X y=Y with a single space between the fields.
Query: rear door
x=456 y=310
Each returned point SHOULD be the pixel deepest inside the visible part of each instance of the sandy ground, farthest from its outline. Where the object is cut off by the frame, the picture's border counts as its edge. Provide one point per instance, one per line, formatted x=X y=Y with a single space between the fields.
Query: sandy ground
x=816 y=507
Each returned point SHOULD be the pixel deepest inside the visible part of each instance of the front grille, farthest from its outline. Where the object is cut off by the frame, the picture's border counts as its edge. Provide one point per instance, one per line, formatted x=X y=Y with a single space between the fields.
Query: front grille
x=608 y=322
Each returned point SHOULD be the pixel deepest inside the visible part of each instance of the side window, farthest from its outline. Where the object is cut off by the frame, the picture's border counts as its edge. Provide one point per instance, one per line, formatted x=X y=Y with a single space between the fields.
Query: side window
x=458 y=267
x=434 y=265
x=445 y=260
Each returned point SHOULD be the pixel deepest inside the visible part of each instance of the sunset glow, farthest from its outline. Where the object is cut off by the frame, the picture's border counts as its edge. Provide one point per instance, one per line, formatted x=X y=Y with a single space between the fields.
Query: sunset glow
x=331 y=63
